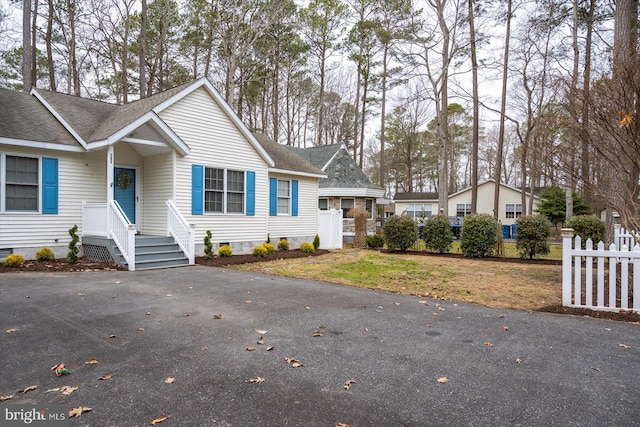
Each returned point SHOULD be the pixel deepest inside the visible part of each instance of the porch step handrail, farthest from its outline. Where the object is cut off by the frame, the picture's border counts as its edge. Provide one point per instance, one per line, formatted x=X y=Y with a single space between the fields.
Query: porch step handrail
x=122 y=232
x=182 y=232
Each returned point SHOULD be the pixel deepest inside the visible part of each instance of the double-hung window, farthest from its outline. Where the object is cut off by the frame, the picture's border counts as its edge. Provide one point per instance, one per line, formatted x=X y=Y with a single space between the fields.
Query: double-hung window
x=346 y=205
x=513 y=210
x=223 y=190
x=369 y=207
x=21 y=186
x=419 y=210
x=323 y=204
x=463 y=209
x=284 y=196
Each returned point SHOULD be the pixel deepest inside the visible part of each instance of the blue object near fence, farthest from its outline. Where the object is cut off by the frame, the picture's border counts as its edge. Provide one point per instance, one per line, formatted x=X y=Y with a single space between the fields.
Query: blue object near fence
x=514 y=231
x=506 y=231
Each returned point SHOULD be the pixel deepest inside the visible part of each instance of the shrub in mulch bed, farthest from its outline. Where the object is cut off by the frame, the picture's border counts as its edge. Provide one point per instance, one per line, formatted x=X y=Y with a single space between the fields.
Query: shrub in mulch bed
x=245 y=259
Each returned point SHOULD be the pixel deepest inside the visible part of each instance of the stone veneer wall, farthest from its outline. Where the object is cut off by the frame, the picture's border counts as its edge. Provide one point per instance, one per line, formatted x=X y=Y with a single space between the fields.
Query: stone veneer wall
x=348 y=224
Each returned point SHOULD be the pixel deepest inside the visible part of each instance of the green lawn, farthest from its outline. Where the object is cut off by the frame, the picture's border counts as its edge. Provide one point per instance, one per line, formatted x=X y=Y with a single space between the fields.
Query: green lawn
x=509 y=249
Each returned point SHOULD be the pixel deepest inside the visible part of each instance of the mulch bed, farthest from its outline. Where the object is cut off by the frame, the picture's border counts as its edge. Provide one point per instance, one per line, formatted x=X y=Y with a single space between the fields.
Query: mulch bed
x=86 y=265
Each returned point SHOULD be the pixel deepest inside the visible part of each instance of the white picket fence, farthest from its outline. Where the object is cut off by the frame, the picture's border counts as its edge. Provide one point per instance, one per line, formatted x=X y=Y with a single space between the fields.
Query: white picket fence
x=601 y=279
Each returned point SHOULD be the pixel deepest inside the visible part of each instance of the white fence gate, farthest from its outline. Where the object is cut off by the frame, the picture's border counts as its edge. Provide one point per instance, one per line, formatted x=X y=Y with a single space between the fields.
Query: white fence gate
x=330 y=228
x=600 y=279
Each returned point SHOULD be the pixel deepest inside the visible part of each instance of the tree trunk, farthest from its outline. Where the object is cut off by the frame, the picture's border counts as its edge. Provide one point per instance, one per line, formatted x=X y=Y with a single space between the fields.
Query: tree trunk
x=475 y=136
x=47 y=39
x=34 y=75
x=382 y=115
x=142 y=54
x=585 y=157
x=26 y=46
x=503 y=106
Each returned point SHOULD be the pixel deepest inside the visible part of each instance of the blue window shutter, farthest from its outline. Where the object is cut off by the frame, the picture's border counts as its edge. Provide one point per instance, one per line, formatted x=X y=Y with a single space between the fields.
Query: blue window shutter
x=294 y=197
x=273 y=196
x=197 y=189
x=251 y=193
x=49 y=185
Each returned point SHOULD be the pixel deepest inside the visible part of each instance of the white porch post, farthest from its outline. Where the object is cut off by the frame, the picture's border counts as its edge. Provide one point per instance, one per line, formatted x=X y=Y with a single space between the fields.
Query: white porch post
x=110 y=160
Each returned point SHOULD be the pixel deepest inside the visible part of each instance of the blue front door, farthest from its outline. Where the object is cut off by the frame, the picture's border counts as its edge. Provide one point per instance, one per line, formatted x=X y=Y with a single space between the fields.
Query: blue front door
x=124 y=191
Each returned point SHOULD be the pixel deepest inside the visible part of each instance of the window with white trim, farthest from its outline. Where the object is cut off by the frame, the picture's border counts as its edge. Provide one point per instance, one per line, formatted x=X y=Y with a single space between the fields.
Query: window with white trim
x=323 y=204
x=419 y=210
x=284 y=196
x=463 y=209
x=21 y=183
x=223 y=191
x=369 y=207
x=513 y=210
x=346 y=205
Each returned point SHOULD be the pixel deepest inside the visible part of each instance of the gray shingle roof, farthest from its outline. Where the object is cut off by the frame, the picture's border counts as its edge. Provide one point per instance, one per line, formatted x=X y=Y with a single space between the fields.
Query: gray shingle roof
x=97 y=120
x=23 y=117
x=285 y=159
x=415 y=196
x=342 y=171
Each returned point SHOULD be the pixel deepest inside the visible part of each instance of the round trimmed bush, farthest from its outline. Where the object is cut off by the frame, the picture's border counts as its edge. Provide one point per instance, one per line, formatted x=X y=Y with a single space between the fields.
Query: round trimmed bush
x=479 y=236
x=269 y=247
x=436 y=234
x=588 y=227
x=307 y=247
x=225 y=251
x=45 y=254
x=260 y=251
x=400 y=233
x=14 y=260
x=533 y=232
x=375 y=241
x=283 y=245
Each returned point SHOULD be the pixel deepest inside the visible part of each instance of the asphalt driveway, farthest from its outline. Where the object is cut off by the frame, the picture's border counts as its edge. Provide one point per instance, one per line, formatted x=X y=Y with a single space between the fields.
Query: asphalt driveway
x=503 y=367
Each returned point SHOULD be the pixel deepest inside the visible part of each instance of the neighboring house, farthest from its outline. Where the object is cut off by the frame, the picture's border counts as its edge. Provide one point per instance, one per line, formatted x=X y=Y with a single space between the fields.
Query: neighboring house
x=345 y=186
x=459 y=203
x=175 y=164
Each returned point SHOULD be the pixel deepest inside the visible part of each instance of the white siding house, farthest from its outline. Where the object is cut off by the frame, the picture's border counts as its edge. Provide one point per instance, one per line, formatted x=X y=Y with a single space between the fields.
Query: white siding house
x=175 y=164
x=459 y=203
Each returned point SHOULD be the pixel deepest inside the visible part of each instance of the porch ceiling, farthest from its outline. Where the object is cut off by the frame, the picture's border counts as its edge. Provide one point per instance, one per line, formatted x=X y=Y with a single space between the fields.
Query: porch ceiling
x=148 y=141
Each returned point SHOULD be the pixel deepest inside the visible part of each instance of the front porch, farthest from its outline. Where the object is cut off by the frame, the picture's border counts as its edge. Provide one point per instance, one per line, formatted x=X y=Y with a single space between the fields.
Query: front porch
x=108 y=235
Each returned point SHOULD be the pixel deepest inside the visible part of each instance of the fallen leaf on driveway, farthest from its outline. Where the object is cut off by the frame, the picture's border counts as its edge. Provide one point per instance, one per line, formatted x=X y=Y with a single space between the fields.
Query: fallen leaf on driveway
x=317 y=334
x=270 y=348
x=443 y=380
x=624 y=345
x=12 y=330
x=321 y=326
x=505 y=328
x=76 y=412
x=342 y=425
x=141 y=329
x=488 y=344
x=501 y=316
x=148 y=313
x=441 y=308
x=170 y=380
x=159 y=419
x=112 y=336
x=294 y=363
x=186 y=315
x=261 y=332
x=93 y=361
x=3 y=398
x=347 y=384
x=51 y=390
x=106 y=377
x=518 y=360
x=423 y=302
x=256 y=380
x=67 y=390
x=217 y=316
x=250 y=348
x=260 y=341
x=26 y=389
x=81 y=294
x=248 y=301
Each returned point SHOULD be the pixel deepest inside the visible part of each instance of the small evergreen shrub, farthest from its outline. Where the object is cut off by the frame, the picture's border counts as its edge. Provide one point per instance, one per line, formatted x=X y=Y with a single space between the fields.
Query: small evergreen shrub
x=588 y=227
x=72 y=255
x=260 y=251
x=375 y=241
x=225 y=251
x=269 y=247
x=533 y=232
x=268 y=238
x=479 y=236
x=45 y=254
x=283 y=245
x=208 y=246
x=316 y=242
x=436 y=234
x=14 y=260
x=400 y=233
x=307 y=247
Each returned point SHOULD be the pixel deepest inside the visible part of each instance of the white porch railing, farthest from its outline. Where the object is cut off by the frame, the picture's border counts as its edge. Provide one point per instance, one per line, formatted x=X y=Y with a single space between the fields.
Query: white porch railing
x=182 y=232
x=107 y=220
x=610 y=289
x=123 y=233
